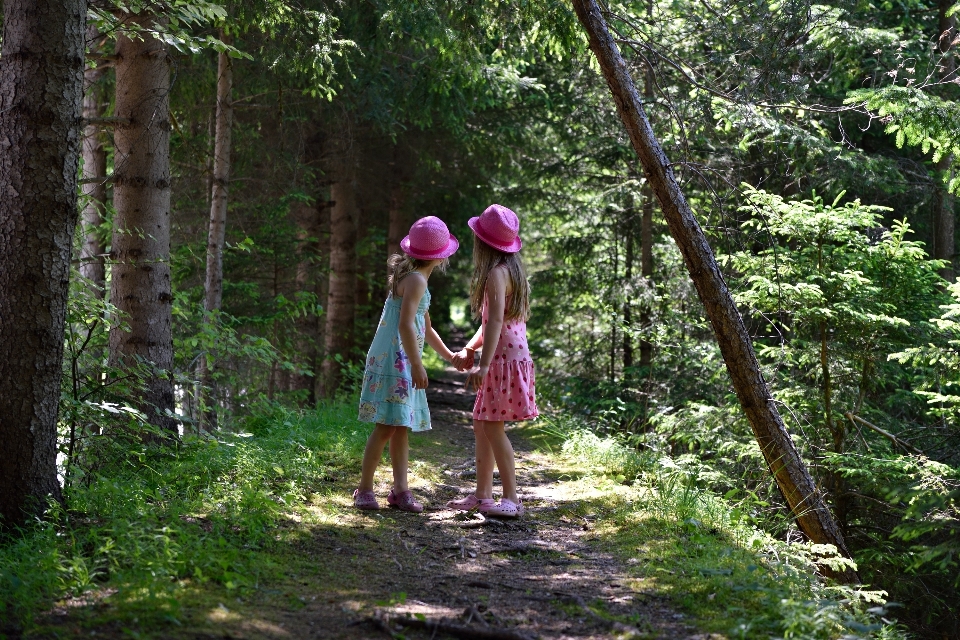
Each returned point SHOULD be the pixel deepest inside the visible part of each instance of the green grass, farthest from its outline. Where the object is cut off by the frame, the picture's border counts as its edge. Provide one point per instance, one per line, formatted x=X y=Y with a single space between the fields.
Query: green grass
x=219 y=531
x=199 y=521
x=679 y=539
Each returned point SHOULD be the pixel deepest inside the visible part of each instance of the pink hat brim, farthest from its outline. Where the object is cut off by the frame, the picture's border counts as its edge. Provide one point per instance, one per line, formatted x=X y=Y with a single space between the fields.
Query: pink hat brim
x=445 y=252
x=513 y=247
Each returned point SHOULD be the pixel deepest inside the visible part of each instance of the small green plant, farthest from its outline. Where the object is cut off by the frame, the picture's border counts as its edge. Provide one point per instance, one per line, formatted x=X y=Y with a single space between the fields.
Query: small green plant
x=146 y=527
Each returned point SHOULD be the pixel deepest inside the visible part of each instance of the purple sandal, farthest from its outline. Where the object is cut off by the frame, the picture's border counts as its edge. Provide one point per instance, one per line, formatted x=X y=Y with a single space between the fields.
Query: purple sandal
x=468 y=503
x=365 y=500
x=404 y=501
x=503 y=509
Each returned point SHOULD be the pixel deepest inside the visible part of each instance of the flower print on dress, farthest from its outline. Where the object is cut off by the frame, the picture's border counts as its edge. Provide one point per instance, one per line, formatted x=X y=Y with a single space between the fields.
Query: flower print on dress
x=400 y=363
x=401 y=392
x=382 y=398
x=368 y=411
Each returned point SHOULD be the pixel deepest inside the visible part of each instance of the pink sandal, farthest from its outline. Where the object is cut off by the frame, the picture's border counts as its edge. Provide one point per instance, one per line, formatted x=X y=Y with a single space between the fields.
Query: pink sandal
x=404 y=501
x=365 y=500
x=503 y=509
x=470 y=502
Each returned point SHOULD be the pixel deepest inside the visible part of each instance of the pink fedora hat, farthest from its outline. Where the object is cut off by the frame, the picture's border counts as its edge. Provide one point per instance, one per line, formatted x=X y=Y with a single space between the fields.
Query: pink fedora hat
x=429 y=239
x=498 y=227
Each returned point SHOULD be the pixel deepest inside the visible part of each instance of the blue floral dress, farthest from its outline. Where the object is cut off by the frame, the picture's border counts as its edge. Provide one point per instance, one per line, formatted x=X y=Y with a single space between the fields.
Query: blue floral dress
x=388 y=396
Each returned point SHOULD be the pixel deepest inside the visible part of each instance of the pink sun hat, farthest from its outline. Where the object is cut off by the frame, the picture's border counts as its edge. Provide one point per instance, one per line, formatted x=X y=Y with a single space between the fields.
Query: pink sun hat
x=498 y=227
x=429 y=239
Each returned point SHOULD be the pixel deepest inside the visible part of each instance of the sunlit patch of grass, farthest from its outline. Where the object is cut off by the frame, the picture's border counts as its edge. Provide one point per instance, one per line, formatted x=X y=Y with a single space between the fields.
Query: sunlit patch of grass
x=694 y=546
x=147 y=540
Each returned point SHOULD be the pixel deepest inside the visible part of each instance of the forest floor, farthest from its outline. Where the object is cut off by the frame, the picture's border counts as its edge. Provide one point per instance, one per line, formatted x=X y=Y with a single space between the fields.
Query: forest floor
x=349 y=574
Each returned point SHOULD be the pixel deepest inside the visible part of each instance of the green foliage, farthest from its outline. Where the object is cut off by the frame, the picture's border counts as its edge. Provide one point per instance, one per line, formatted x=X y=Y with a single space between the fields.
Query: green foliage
x=736 y=579
x=939 y=362
x=239 y=362
x=146 y=528
x=917 y=118
x=176 y=25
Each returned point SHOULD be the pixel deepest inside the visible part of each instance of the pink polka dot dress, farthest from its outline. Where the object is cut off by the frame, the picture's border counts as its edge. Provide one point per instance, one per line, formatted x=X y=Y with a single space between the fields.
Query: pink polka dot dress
x=509 y=390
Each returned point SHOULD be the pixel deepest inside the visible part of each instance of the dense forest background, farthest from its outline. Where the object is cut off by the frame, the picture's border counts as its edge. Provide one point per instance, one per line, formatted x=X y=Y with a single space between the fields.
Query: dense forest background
x=817 y=143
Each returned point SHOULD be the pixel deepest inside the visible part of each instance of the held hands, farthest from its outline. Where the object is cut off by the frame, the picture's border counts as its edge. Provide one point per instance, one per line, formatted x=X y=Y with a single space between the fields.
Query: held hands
x=475 y=378
x=419 y=375
x=463 y=359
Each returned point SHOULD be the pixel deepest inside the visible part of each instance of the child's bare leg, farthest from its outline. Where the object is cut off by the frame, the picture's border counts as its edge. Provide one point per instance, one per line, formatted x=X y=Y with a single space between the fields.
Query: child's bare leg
x=372 y=453
x=399 y=458
x=485 y=460
x=503 y=454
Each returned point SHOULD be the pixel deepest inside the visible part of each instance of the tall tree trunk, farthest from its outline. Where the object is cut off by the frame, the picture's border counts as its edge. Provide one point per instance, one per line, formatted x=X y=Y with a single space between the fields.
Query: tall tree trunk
x=627 y=302
x=398 y=225
x=94 y=174
x=307 y=219
x=944 y=218
x=41 y=88
x=398 y=220
x=217 y=231
x=646 y=228
x=646 y=271
x=323 y=291
x=788 y=469
x=140 y=282
x=341 y=299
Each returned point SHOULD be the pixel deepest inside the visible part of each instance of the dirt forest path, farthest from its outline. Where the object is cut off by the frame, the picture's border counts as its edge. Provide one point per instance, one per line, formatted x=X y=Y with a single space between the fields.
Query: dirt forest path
x=433 y=575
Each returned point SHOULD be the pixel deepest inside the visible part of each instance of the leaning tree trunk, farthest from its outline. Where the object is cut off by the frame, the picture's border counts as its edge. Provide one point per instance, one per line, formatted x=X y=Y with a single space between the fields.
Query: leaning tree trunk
x=341 y=297
x=140 y=276
x=217 y=232
x=94 y=180
x=788 y=469
x=944 y=219
x=41 y=88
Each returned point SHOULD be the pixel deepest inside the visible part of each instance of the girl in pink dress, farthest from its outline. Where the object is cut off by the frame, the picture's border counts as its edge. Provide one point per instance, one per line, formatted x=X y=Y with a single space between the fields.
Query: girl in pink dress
x=504 y=377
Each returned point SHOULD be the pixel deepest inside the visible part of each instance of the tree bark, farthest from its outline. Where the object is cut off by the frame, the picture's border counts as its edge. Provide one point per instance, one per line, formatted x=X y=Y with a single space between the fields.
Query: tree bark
x=341 y=299
x=217 y=230
x=646 y=272
x=140 y=283
x=399 y=222
x=944 y=218
x=94 y=175
x=627 y=302
x=307 y=218
x=41 y=88
x=788 y=469
x=646 y=229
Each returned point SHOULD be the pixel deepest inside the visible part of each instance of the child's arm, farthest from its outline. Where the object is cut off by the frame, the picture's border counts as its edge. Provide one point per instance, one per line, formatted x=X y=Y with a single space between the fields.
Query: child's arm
x=433 y=339
x=496 y=304
x=413 y=289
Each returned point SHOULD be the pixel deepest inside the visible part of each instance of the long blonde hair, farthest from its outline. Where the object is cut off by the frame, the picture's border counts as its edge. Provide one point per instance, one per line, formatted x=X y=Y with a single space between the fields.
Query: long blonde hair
x=401 y=265
x=485 y=260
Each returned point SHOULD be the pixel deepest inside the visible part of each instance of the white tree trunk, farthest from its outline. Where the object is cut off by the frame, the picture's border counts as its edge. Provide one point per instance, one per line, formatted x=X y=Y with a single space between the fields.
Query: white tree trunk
x=217 y=232
x=94 y=175
x=140 y=282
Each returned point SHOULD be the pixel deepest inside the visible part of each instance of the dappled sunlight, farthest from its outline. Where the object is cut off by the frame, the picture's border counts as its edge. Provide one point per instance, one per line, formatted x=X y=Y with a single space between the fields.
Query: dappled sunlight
x=238 y=622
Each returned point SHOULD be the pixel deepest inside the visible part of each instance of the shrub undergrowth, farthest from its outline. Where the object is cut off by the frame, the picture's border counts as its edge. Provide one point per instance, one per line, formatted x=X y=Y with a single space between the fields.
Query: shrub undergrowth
x=145 y=529
x=706 y=551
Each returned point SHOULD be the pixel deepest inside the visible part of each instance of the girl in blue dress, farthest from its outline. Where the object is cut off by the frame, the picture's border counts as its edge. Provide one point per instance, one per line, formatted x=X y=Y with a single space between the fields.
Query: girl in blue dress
x=395 y=381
